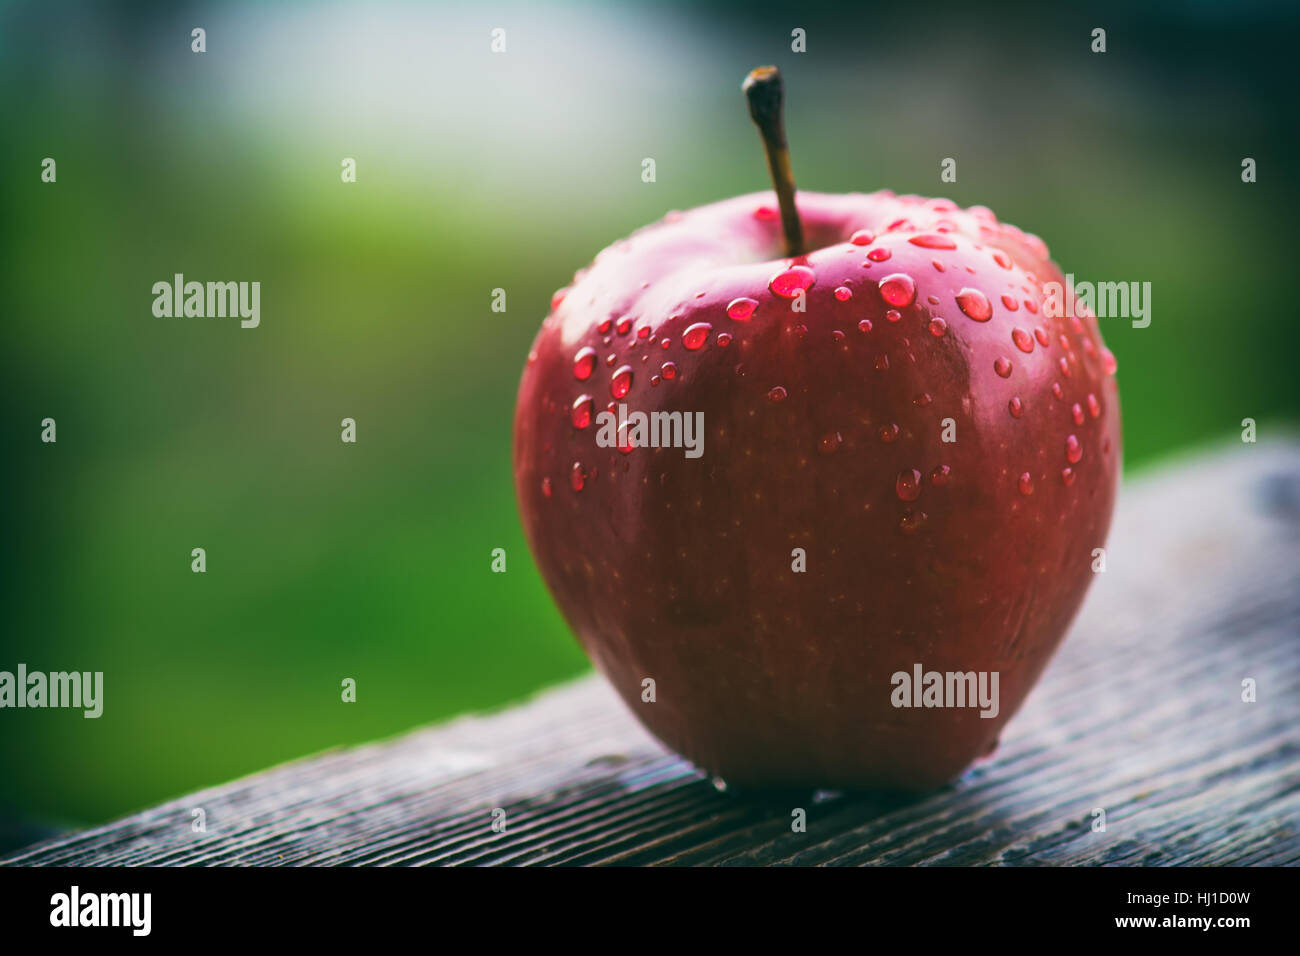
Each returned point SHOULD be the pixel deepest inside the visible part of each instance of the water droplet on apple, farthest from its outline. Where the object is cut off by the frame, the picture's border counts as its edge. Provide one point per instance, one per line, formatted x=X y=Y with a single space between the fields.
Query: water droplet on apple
x=792 y=281
x=908 y=484
x=776 y=393
x=624 y=326
x=1024 y=341
x=583 y=363
x=1002 y=365
x=1067 y=476
x=696 y=335
x=878 y=255
x=1108 y=361
x=723 y=339
x=898 y=289
x=844 y=293
x=1076 y=412
x=864 y=326
x=829 y=443
x=937 y=327
x=928 y=241
x=1056 y=391
x=621 y=382
x=582 y=408
x=546 y=487
x=1073 y=450
x=1009 y=303
x=1094 y=406
x=1016 y=407
x=939 y=475
x=975 y=304
x=668 y=370
x=1026 y=484
x=1031 y=306
x=1002 y=259
x=741 y=309
x=863 y=237
x=1044 y=339
x=558 y=298
x=888 y=433
x=578 y=476
x=911 y=521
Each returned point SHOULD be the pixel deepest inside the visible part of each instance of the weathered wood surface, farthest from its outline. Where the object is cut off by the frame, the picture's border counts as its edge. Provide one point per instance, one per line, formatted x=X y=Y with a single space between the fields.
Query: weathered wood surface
x=1140 y=714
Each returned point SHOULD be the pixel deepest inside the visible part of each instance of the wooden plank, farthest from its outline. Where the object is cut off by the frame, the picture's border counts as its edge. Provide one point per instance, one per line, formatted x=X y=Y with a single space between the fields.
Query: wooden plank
x=1140 y=714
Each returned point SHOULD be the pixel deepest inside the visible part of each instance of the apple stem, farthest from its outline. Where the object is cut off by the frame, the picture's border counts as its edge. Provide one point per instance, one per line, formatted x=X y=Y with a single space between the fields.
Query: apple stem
x=766 y=95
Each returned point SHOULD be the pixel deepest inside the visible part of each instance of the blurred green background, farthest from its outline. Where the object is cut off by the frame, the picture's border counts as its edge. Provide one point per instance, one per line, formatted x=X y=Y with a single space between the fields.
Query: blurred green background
x=476 y=171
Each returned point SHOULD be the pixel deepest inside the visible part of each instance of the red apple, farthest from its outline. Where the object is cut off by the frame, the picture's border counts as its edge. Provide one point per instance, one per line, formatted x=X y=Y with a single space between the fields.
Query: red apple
x=824 y=430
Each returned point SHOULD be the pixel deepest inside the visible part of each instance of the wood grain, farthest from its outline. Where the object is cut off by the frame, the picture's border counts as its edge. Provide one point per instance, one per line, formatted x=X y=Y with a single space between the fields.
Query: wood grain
x=1140 y=714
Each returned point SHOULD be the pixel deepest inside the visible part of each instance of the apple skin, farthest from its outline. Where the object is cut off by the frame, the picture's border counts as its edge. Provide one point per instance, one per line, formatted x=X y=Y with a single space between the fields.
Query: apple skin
x=680 y=570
